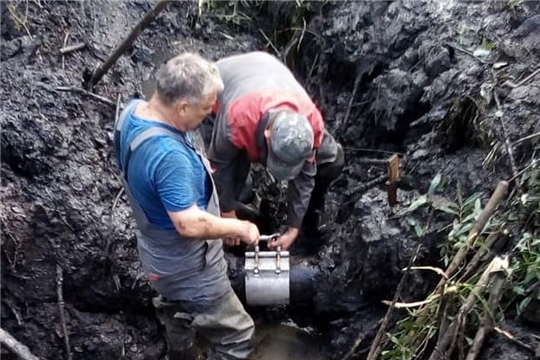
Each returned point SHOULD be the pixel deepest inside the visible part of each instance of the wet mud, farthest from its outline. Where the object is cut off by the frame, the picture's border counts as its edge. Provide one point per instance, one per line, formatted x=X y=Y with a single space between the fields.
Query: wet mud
x=426 y=75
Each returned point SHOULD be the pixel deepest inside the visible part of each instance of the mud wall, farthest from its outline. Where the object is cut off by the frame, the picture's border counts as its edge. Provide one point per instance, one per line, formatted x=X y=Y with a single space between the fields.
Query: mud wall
x=422 y=79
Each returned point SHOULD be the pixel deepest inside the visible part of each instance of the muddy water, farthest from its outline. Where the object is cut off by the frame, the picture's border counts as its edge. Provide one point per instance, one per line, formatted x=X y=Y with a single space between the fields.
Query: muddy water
x=286 y=341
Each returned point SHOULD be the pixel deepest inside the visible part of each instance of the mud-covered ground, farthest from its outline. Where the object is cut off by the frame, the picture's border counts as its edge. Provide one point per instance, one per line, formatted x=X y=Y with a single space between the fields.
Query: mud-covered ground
x=426 y=72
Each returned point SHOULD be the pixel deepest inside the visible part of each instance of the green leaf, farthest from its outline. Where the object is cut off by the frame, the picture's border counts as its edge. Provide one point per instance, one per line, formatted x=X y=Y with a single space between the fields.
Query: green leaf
x=434 y=184
x=420 y=201
x=446 y=206
x=519 y=290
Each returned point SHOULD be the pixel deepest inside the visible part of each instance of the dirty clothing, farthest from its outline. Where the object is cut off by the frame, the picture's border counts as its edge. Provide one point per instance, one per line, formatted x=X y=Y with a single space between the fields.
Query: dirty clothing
x=256 y=83
x=223 y=323
x=193 y=271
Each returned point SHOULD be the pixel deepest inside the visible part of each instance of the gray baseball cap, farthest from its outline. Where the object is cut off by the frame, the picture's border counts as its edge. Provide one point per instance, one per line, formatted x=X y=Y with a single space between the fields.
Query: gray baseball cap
x=291 y=144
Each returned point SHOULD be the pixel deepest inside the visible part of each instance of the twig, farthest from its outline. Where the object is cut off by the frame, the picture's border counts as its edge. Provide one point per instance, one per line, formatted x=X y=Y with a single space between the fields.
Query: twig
x=68 y=49
x=512 y=338
x=16 y=243
x=467 y=52
x=117 y=198
x=86 y=92
x=528 y=137
x=11 y=9
x=301 y=35
x=370 y=150
x=507 y=144
x=522 y=82
x=270 y=42
x=15 y=346
x=358 y=341
x=471 y=266
x=66 y=223
x=377 y=344
x=487 y=320
x=435 y=269
x=447 y=341
x=61 y=309
x=533 y=163
x=103 y=68
x=476 y=230
x=63 y=58
x=353 y=96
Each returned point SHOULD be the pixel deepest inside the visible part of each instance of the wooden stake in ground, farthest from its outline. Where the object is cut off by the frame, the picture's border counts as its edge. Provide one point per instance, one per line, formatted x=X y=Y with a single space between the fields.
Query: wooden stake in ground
x=15 y=346
x=103 y=68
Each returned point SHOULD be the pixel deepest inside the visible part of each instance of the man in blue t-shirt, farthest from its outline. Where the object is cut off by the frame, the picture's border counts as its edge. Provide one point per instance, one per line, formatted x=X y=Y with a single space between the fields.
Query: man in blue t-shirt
x=174 y=201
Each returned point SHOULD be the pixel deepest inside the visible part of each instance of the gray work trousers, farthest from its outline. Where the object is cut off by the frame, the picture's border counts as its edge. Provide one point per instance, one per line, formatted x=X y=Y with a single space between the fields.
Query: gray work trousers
x=224 y=324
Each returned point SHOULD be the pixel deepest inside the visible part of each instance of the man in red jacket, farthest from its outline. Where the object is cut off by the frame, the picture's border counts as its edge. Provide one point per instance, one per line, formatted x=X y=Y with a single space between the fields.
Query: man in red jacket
x=264 y=115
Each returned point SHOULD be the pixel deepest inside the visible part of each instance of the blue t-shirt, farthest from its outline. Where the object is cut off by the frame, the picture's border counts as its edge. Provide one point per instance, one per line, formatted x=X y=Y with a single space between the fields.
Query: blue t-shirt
x=164 y=174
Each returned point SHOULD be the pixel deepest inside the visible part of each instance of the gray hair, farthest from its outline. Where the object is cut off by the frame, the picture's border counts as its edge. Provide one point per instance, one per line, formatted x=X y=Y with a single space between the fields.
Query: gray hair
x=187 y=77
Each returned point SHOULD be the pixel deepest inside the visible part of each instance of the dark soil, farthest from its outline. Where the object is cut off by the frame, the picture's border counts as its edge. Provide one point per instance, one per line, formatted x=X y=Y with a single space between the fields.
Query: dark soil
x=420 y=92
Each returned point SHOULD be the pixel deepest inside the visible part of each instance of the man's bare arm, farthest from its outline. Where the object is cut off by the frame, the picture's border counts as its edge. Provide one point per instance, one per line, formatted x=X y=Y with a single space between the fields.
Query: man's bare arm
x=196 y=223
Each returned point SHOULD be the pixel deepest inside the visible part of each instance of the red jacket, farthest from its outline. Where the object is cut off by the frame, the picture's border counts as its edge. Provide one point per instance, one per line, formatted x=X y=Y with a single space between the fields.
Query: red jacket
x=255 y=83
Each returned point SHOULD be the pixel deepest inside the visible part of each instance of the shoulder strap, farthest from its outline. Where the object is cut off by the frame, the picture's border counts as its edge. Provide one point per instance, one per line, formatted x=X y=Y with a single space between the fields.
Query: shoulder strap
x=138 y=140
x=141 y=138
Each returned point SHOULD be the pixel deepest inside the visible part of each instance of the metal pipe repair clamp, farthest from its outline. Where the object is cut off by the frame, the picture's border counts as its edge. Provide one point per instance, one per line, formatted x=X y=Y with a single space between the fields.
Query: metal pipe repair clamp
x=267 y=276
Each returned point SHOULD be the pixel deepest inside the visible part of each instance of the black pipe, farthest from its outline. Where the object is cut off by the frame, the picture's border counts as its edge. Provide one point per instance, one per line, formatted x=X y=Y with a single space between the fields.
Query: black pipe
x=302 y=278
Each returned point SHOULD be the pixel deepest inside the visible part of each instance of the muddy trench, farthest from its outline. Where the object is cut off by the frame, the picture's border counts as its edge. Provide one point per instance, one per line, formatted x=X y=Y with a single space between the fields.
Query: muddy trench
x=413 y=77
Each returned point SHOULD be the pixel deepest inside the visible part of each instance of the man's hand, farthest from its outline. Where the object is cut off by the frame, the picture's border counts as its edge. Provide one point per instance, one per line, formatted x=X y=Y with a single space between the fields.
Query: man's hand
x=286 y=240
x=250 y=233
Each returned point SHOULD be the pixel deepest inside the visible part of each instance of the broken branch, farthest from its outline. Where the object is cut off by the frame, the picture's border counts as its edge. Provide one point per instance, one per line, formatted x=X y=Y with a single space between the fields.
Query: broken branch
x=103 y=68
x=270 y=42
x=447 y=341
x=528 y=137
x=86 y=92
x=15 y=346
x=467 y=52
x=513 y=339
x=69 y=49
x=59 y=292
x=487 y=320
x=522 y=82
x=480 y=253
x=377 y=344
x=476 y=230
x=508 y=146
x=117 y=198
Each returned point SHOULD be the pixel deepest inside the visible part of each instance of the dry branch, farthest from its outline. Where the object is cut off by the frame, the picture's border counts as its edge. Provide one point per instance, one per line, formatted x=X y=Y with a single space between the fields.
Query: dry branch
x=69 y=49
x=377 y=344
x=487 y=320
x=476 y=230
x=59 y=292
x=528 y=137
x=103 y=68
x=522 y=82
x=15 y=346
x=480 y=253
x=86 y=92
x=508 y=146
x=447 y=341
x=513 y=339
